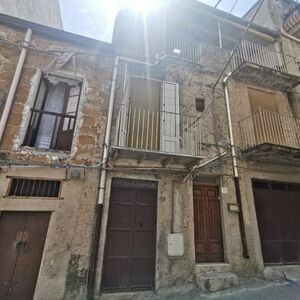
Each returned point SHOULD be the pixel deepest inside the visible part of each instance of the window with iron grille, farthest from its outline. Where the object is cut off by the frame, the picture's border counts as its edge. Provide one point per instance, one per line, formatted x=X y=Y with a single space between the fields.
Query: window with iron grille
x=53 y=115
x=20 y=187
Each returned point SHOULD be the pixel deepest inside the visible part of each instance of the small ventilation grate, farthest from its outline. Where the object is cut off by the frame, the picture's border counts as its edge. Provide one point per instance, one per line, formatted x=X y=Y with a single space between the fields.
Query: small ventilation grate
x=34 y=188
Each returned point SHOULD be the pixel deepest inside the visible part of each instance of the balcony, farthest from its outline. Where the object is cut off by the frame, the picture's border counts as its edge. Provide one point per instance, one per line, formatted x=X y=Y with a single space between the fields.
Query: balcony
x=160 y=136
x=265 y=66
x=186 y=49
x=269 y=136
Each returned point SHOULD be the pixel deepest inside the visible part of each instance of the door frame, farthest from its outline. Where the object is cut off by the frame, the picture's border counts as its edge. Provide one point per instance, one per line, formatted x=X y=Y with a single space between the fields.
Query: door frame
x=223 y=207
x=105 y=223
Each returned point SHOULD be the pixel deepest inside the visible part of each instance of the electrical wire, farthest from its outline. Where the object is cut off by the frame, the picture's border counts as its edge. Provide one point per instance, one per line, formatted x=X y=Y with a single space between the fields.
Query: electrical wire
x=217 y=4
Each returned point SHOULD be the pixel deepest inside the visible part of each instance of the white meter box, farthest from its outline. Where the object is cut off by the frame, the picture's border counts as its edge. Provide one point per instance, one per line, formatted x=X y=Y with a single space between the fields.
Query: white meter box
x=175 y=244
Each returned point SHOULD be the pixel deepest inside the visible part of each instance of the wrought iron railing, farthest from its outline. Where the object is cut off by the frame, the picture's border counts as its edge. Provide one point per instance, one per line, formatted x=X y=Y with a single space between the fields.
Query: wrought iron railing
x=264 y=56
x=59 y=134
x=270 y=127
x=158 y=131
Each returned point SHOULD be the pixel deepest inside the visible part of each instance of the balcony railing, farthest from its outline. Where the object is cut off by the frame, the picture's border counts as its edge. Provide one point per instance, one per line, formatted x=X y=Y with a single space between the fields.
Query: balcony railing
x=158 y=131
x=185 y=49
x=266 y=57
x=271 y=128
x=50 y=130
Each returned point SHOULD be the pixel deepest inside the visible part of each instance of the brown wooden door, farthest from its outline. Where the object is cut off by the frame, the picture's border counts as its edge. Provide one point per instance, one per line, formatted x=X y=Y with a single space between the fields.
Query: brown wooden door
x=208 y=228
x=22 y=239
x=129 y=261
x=278 y=209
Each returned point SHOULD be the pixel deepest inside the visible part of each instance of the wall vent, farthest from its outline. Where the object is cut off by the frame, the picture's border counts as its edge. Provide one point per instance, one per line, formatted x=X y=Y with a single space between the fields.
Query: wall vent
x=20 y=187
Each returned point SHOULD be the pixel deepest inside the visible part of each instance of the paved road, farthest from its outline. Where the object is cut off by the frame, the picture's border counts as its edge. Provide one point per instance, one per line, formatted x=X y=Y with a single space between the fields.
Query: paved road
x=262 y=291
x=249 y=289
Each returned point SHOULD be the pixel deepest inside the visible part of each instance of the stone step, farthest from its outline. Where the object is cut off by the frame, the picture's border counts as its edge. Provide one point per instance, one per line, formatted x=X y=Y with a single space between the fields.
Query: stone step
x=211 y=282
x=212 y=268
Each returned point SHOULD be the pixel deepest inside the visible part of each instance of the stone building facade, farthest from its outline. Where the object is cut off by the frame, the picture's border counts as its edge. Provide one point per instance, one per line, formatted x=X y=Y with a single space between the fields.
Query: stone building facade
x=173 y=168
x=82 y=68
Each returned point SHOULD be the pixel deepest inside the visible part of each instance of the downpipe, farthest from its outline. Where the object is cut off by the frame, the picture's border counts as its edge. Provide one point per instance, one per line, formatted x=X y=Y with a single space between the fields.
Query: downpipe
x=235 y=170
x=102 y=180
x=14 y=83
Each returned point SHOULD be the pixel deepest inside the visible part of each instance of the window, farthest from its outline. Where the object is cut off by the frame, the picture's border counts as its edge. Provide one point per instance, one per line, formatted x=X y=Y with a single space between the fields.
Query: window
x=200 y=104
x=54 y=113
x=21 y=187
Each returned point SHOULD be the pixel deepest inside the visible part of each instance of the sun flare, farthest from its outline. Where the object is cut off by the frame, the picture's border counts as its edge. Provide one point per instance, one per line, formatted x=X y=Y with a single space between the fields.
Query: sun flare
x=141 y=6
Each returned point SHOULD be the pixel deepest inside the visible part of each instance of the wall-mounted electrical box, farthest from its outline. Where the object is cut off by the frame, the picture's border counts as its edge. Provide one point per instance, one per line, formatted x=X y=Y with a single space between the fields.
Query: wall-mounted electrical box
x=175 y=244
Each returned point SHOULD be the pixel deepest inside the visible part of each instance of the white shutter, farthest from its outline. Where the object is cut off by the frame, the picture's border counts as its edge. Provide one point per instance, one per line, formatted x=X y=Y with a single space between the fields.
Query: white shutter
x=124 y=109
x=170 y=117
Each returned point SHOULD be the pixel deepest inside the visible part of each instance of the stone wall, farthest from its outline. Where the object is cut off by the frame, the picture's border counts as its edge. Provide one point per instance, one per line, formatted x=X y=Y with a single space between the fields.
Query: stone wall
x=93 y=68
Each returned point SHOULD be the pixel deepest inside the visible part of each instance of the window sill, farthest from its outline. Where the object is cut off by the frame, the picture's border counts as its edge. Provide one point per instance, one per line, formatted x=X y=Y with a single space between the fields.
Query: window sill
x=45 y=152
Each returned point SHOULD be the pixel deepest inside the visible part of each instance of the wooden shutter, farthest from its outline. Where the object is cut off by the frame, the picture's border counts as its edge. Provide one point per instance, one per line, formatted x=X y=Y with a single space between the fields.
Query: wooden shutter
x=170 y=117
x=38 y=94
x=123 y=116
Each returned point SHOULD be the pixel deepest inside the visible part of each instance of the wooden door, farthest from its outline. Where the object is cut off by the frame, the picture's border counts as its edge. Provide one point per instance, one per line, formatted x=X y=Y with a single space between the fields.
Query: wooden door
x=208 y=228
x=22 y=239
x=277 y=209
x=129 y=260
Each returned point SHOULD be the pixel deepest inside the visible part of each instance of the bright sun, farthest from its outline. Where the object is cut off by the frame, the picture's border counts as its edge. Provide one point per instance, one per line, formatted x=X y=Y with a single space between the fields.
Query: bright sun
x=141 y=6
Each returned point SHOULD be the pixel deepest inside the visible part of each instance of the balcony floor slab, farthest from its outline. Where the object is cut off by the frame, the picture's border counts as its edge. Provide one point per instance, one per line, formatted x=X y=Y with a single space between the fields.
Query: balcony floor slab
x=156 y=156
x=266 y=77
x=273 y=154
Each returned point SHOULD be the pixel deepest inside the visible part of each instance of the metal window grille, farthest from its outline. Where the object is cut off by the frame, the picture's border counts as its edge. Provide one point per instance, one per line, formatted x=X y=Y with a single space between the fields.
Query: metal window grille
x=34 y=188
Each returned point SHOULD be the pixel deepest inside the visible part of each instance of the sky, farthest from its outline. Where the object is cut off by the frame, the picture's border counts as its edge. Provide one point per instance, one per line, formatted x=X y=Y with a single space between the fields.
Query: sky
x=95 y=18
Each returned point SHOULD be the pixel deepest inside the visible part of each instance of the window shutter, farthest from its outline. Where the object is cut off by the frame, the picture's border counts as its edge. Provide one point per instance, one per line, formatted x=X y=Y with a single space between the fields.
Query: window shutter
x=170 y=117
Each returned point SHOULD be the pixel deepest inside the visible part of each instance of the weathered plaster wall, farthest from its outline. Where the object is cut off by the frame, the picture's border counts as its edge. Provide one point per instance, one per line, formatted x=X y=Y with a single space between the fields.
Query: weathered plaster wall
x=180 y=271
x=63 y=272
x=64 y=267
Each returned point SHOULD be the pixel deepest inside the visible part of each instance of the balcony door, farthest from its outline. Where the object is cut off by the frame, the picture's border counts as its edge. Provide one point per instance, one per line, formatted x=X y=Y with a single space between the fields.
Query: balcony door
x=267 y=123
x=149 y=115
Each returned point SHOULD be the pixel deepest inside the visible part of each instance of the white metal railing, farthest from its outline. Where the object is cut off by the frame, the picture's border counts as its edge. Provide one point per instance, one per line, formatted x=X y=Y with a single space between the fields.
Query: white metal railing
x=158 y=131
x=264 y=56
x=270 y=127
x=185 y=49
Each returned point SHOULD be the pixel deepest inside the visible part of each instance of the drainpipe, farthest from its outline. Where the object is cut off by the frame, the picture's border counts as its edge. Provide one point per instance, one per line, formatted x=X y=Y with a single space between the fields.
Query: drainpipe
x=235 y=170
x=289 y=36
x=99 y=205
x=14 y=84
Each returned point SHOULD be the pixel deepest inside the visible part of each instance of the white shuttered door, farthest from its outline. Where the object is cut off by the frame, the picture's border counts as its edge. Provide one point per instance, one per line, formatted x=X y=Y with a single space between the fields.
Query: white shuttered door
x=124 y=109
x=170 y=117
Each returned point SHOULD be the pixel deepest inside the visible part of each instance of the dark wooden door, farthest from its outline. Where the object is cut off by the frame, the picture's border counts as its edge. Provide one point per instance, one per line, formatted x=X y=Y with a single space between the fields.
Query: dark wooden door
x=208 y=227
x=22 y=239
x=129 y=261
x=278 y=209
